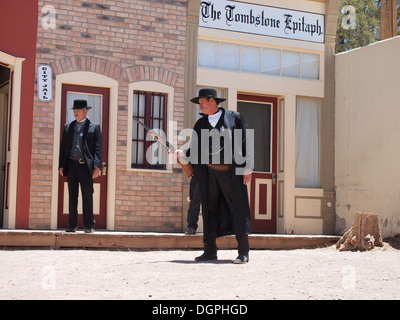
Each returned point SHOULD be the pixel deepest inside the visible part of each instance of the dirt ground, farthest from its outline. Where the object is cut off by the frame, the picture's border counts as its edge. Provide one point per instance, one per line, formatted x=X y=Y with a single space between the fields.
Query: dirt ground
x=174 y=275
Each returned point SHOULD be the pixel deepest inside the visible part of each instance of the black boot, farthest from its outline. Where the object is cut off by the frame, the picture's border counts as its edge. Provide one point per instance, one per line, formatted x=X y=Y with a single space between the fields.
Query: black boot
x=206 y=257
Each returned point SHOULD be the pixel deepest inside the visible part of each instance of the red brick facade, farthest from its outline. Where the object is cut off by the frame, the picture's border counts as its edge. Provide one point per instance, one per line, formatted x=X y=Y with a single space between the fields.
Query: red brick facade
x=127 y=41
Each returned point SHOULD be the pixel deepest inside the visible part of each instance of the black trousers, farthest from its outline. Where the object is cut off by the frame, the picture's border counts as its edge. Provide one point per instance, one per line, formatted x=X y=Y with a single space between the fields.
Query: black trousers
x=219 y=187
x=79 y=174
x=194 y=206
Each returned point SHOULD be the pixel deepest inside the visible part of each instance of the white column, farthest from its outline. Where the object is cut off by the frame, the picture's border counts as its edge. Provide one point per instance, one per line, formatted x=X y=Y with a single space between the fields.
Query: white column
x=289 y=163
x=232 y=99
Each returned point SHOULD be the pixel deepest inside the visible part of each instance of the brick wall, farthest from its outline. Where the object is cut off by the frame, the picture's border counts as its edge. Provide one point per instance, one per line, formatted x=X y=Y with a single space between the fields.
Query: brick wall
x=126 y=40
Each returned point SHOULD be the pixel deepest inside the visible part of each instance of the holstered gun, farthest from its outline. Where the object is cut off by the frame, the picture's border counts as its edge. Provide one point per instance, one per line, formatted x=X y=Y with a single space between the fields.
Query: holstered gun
x=187 y=169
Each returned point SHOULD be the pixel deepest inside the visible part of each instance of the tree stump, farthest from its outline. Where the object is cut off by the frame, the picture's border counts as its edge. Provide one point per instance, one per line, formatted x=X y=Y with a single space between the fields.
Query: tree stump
x=363 y=235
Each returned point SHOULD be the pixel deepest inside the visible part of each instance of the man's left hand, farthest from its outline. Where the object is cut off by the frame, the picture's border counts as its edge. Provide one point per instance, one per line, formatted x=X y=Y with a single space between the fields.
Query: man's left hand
x=247 y=176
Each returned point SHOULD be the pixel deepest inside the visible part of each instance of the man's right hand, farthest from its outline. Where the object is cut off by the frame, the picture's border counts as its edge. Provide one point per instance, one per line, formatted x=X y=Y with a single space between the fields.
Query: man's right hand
x=61 y=170
x=180 y=156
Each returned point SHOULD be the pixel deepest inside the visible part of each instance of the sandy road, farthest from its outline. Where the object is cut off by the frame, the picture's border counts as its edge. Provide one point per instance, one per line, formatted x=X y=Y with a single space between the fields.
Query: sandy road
x=174 y=275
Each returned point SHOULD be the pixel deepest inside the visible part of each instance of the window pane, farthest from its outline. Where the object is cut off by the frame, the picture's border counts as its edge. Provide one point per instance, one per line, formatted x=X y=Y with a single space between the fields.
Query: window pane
x=250 y=59
x=94 y=101
x=137 y=153
x=310 y=66
x=230 y=56
x=139 y=104
x=291 y=64
x=307 y=142
x=155 y=106
x=137 y=131
x=271 y=61
x=208 y=52
x=257 y=117
x=155 y=123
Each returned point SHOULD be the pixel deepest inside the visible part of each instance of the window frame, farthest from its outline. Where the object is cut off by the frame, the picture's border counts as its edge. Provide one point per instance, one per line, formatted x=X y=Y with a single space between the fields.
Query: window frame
x=148 y=118
x=159 y=88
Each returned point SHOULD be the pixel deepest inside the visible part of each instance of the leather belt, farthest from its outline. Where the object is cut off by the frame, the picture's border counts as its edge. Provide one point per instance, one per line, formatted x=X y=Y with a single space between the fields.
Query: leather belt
x=220 y=167
x=79 y=160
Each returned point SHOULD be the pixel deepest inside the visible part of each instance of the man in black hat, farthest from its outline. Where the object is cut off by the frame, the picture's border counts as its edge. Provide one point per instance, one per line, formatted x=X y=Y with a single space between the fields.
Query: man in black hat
x=224 y=167
x=80 y=161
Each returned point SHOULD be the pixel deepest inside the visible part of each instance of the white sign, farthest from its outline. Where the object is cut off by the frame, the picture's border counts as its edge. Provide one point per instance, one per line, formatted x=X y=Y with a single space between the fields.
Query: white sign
x=262 y=20
x=45 y=82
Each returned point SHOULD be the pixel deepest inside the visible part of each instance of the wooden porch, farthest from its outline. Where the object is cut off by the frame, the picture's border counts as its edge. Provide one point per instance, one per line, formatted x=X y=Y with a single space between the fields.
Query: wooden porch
x=57 y=239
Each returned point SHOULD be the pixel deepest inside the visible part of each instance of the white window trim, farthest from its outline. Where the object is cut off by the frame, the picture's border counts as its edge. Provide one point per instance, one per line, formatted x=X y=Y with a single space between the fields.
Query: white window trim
x=151 y=86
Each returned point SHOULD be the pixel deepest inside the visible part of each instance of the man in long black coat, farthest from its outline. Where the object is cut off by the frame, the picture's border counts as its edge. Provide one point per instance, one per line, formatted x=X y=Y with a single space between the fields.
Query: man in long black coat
x=223 y=163
x=80 y=161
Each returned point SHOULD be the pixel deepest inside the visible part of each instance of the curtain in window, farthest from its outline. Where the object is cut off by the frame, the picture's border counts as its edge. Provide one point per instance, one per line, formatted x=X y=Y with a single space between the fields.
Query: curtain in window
x=291 y=64
x=208 y=53
x=251 y=60
x=307 y=142
x=309 y=66
x=243 y=58
x=271 y=61
x=230 y=56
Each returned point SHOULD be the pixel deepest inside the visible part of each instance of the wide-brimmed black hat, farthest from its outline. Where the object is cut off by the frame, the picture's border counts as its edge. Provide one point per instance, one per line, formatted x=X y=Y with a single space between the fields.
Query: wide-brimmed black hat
x=207 y=93
x=80 y=104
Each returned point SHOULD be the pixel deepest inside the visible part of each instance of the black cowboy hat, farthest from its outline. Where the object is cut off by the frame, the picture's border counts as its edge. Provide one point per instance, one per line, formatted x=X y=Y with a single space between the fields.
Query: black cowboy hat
x=80 y=104
x=207 y=93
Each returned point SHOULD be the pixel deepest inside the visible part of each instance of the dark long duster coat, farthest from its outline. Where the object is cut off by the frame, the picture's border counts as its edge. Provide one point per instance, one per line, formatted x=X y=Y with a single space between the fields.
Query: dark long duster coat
x=238 y=221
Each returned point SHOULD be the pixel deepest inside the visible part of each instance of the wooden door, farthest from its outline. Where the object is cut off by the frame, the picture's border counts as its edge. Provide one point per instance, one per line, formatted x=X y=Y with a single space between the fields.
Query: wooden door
x=260 y=114
x=98 y=98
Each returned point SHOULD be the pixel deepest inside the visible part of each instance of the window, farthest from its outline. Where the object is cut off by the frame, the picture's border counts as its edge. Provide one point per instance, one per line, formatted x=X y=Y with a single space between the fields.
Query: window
x=309 y=65
x=230 y=56
x=291 y=64
x=307 y=142
x=208 y=52
x=250 y=59
x=259 y=60
x=149 y=108
x=271 y=61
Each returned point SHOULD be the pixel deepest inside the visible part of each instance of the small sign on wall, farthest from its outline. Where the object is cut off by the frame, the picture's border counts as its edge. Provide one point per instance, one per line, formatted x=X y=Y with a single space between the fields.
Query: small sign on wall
x=45 y=82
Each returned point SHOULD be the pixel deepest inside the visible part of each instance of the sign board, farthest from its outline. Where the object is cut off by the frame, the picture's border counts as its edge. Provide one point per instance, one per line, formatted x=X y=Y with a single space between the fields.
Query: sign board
x=45 y=82
x=262 y=20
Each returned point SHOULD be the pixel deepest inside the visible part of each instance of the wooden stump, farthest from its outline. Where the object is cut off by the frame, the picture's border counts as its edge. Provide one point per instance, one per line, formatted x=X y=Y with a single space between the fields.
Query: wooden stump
x=363 y=235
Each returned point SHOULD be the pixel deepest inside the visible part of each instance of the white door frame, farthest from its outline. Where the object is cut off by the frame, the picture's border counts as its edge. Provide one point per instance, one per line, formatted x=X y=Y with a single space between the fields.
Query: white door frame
x=15 y=64
x=92 y=79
